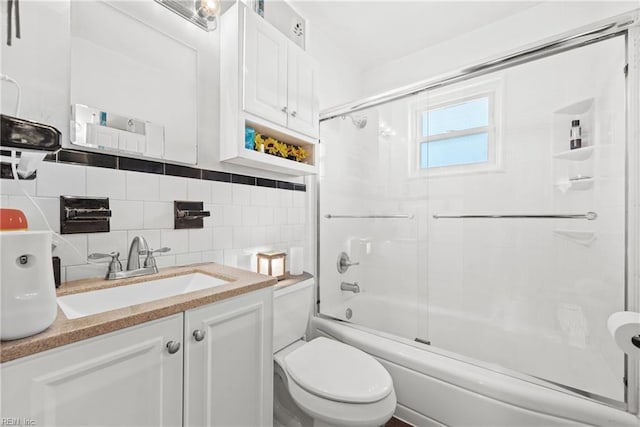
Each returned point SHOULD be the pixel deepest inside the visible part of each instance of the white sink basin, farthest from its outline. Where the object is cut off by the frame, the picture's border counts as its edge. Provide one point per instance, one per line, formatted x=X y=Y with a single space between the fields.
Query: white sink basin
x=94 y=302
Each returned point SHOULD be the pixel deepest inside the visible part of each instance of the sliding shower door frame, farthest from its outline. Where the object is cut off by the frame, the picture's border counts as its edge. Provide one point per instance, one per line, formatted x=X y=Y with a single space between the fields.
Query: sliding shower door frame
x=627 y=25
x=632 y=279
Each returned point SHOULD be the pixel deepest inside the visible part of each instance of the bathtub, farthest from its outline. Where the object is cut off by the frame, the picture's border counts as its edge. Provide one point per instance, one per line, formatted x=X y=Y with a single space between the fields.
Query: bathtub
x=436 y=390
x=500 y=335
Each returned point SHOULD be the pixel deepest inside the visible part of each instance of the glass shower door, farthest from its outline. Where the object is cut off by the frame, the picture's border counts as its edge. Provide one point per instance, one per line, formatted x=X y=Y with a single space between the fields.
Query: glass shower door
x=526 y=294
x=367 y=213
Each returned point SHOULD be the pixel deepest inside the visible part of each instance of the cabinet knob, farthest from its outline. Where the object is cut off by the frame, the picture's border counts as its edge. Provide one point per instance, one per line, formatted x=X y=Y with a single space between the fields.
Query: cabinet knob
x=294 y=113
x=173 y=346
x=198 y=334
x=284 y=109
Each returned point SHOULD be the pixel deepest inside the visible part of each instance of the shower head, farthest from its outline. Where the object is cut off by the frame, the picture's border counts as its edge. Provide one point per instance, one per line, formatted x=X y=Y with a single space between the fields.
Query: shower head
x=358 y=121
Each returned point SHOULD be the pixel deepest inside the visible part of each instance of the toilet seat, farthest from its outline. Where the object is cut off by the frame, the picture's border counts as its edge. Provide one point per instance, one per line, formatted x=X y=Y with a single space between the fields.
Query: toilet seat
x=341 y=413
x=321 y=400
x=335 y=371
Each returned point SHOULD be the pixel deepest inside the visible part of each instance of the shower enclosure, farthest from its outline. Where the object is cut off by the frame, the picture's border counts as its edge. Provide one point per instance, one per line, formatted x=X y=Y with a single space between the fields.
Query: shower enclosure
x=476 y=231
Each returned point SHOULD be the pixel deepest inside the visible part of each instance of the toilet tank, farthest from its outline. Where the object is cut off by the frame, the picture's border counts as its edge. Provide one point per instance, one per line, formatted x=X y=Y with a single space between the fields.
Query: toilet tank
x=291 y=311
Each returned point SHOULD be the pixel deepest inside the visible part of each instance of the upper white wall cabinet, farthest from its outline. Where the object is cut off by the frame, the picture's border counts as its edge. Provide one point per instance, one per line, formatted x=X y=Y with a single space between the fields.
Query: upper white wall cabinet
x=268 y=83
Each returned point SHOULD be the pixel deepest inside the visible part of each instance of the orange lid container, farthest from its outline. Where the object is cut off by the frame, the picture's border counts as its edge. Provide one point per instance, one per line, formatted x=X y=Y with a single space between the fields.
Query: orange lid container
x=12 y=220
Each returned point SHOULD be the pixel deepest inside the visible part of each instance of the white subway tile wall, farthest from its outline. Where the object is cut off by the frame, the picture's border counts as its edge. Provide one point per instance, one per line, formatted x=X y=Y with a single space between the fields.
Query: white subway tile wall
x=244 y=219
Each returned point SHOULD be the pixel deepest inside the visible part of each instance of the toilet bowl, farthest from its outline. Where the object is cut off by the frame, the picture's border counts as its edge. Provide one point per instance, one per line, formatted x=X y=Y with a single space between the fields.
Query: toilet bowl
x=323 y=382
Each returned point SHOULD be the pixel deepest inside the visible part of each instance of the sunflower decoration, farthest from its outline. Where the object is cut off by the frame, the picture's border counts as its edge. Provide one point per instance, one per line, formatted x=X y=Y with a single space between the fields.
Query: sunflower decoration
x=260 y=142
x=298 y=153
x=274 y=147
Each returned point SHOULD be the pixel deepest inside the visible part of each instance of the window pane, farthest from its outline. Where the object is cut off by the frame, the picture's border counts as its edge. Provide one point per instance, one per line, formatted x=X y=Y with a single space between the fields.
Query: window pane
x=455 y=151
x=462 y=116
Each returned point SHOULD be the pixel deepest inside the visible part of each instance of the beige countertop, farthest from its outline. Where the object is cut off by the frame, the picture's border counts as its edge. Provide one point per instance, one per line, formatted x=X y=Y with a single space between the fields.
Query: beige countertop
x=65 y=331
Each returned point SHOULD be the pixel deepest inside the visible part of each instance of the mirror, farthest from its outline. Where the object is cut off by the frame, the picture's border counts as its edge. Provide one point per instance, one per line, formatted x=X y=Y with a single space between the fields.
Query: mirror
x=135 y=69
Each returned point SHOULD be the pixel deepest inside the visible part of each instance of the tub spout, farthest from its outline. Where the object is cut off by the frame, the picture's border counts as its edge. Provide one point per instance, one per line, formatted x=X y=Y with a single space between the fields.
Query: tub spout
x=351 y=287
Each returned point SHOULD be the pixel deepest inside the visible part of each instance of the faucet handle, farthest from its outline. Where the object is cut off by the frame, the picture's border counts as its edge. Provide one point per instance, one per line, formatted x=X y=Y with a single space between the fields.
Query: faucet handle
x=150 y=261
x=159 y=250
x=344 y=262
x=115 y=266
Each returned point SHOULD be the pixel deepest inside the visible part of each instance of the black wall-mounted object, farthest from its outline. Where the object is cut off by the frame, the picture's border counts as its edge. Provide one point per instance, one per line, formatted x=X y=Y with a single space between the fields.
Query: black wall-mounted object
x=21 y=134
x=84 y=215
x=7 y=173
x=188 y=214
x=56 y=270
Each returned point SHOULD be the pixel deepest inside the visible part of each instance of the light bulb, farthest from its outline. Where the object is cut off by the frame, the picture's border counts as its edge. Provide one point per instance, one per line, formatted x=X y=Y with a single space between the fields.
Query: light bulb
x=208 y=8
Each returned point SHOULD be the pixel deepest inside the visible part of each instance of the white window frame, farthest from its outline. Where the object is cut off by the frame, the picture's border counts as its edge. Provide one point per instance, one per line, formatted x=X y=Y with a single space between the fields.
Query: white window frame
x=491 y=89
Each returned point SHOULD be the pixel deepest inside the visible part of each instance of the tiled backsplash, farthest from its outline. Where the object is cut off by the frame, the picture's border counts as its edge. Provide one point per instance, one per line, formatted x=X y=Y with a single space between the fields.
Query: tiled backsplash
x=244 y=218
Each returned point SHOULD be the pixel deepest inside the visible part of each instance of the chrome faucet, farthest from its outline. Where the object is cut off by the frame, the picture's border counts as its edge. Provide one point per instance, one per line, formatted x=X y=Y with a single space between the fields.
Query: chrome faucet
x=138 y=247
x=350 y=287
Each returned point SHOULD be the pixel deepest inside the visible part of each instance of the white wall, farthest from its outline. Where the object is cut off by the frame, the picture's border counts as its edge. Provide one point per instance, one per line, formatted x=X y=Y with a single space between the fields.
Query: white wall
x=340 y=77
x=539 y=22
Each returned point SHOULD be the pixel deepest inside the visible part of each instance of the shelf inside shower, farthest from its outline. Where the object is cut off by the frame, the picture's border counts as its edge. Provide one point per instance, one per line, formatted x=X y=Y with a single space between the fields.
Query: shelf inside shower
x=579 y=154
x=582 y=184
x=584 y=238
x=581 y=110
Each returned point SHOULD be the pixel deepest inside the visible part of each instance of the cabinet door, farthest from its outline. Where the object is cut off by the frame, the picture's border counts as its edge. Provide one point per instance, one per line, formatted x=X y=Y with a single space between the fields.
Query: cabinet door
x=229 y=372
x=302 y=93
x=122 y=378
x=265 y=70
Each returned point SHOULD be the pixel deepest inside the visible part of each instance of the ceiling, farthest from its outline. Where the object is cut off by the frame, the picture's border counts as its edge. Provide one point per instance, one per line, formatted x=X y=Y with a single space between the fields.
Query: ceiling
x=374 y=32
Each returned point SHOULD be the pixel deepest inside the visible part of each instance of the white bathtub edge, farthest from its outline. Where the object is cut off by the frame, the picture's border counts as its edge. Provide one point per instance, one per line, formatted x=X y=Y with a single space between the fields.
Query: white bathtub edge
x=493 y=385
x=415 y=418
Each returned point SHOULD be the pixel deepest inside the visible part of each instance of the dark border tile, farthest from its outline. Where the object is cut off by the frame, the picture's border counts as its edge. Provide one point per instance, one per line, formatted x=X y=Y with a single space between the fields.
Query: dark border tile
x=263 y=182
x=138 y=165
x=88 y=159
x=183 y=171
x=243 y=179
x=148 y=166
x=285 y=185
x=216 y=176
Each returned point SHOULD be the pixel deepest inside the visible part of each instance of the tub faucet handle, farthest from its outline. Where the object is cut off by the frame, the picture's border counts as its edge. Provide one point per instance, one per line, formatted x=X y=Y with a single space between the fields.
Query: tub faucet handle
x=344 y=262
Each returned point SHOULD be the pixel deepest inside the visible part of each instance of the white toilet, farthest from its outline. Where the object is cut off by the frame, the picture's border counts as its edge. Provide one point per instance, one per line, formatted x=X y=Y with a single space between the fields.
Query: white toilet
x=323 y=382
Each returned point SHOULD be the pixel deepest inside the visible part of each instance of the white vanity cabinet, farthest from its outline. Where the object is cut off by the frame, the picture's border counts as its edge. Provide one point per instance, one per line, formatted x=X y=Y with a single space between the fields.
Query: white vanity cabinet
x=133 y=377
x=228 y=370
x=126 y=377
x=268 y=83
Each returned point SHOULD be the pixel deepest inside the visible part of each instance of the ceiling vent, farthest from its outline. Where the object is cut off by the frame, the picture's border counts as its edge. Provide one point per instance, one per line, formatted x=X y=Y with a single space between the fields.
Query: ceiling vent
x=282 y=16
x=298 y=32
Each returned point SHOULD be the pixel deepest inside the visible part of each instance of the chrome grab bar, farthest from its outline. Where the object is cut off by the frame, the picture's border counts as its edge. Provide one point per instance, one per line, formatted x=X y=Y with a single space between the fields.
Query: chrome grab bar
x=398 y=216
x=588 y=216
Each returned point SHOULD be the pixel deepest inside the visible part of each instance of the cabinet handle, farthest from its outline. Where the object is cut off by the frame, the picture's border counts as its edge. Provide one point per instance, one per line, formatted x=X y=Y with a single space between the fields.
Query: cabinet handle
x=294 y=113
x=284 y=109
x=198 y=334
x=173 y=346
